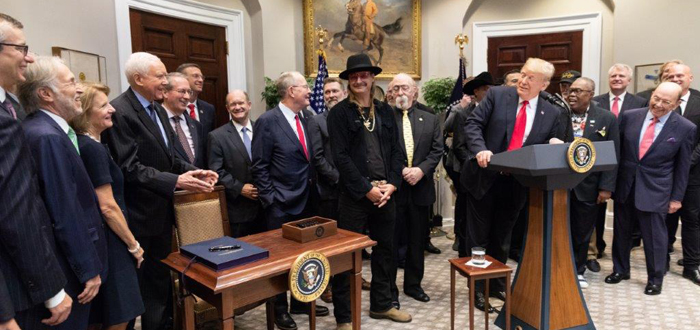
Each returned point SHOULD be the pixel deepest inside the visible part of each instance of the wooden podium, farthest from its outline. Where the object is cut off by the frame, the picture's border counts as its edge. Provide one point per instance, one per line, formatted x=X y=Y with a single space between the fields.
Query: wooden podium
x=546 y=294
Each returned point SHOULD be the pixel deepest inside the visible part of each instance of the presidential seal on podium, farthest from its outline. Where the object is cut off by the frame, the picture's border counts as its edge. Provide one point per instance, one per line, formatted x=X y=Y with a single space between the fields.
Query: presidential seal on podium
x=581 y=155
x=309 y=276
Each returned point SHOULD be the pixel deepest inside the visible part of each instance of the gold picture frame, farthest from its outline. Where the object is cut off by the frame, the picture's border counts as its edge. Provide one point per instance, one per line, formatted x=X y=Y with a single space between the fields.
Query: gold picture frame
x=399 y=22
x=86 y=67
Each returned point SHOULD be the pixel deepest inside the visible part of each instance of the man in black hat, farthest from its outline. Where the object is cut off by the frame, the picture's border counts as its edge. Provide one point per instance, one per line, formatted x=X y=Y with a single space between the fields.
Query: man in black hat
x=477 y=87
x=366 y=150
x=567 y=78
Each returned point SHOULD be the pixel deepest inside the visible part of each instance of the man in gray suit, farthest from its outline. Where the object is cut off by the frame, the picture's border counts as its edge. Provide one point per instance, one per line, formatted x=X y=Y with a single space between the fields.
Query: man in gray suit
x=420 y=139
x=229 y=156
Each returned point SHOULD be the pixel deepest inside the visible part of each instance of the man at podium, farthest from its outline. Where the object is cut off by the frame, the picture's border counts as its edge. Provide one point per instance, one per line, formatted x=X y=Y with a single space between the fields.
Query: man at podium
x=507 y=119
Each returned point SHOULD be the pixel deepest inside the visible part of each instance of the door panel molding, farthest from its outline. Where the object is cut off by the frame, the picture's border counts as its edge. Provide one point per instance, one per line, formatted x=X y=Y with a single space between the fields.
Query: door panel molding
x=230 y=19
x=591 y=24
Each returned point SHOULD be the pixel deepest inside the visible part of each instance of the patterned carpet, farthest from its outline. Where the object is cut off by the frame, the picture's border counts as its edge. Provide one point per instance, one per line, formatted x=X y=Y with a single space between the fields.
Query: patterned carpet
x=612 y=307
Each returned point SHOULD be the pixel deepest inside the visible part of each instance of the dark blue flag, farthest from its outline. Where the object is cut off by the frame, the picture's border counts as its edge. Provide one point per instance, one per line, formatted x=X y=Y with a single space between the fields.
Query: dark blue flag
x=316 y=98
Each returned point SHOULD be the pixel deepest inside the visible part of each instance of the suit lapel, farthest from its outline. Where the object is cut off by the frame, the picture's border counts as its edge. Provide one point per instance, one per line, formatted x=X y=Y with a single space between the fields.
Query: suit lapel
x=669 y=127
x=147 y=121
x=511 y=103
x=592 y=123
x=46 y=118
x=399 y=126
x=537 y=122
x=194 y=131
x=237 y=141
x=284 y=125
x=693 y=107
x=418 y=125
x=605 y=102
x=634 y=130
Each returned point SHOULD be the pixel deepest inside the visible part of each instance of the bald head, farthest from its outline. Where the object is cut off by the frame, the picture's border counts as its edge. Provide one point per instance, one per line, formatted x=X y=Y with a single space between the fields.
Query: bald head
x=681 y=75
x=404 y=91
x=665 y=98
x=238 y=106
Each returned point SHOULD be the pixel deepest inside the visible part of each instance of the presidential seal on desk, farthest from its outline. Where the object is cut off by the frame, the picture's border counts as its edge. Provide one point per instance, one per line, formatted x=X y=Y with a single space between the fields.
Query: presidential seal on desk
x=309 y=276
x=581 y=155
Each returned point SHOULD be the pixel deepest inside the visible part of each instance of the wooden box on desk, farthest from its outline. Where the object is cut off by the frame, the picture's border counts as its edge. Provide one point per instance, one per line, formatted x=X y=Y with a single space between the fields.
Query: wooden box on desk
x=324 y=228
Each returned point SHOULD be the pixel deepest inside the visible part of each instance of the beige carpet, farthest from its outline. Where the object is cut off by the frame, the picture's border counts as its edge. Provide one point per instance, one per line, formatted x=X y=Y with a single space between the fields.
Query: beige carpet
x=612 y=307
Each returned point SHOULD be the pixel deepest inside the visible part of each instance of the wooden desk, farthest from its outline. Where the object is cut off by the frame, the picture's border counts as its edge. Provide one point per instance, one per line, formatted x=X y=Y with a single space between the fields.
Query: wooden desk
x=247 y=284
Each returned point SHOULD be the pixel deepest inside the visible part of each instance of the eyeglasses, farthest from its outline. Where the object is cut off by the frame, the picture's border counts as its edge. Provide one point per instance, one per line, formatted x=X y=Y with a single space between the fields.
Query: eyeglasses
x=24 y=49
x=578 y=91
x=664 y=102
x=184 y=91
x=304 y=86
x=361 y=75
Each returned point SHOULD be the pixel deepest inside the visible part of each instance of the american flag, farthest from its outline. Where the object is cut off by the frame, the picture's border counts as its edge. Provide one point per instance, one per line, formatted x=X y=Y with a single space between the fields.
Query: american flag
x=317 y=102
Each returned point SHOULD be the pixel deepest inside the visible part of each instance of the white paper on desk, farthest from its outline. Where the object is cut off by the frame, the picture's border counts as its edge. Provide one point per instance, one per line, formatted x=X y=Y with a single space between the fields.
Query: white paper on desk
x=484 y=265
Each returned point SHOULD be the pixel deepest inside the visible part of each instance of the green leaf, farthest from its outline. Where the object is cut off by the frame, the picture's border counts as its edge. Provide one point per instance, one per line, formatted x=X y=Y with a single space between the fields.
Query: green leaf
x=436 y=93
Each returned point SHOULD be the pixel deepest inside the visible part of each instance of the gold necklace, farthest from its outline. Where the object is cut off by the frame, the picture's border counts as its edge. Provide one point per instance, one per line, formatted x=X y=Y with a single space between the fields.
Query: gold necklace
x=369 y=126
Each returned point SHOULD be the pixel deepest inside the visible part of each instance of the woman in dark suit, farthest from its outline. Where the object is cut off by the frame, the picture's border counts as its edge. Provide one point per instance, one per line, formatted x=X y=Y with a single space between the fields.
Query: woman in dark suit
x=119 y=300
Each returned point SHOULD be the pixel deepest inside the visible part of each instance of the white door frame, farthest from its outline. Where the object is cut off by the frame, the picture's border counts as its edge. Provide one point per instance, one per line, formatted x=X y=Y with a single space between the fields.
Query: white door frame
x=230 y=19
x=591 y=25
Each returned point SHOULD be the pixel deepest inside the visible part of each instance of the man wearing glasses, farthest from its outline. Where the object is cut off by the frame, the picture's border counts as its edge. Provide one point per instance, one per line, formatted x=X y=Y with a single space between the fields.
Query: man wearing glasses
x=14 y=57
x=189 y=144
x=197 y=109
x=284 y=174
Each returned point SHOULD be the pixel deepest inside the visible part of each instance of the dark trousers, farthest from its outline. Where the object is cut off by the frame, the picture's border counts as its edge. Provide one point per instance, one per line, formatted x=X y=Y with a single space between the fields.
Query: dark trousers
x=154 y=279
x=31 y=318
x=600 y=229
x=690 y=232
x=518 y=236
x=582 y=216
x=240 y=229
x=275 y=219
x=354 y=216
x=328 y=208
x=653 y=229
x=460 y=216
x=672 y=221
x=411 y=225
x=490 y=221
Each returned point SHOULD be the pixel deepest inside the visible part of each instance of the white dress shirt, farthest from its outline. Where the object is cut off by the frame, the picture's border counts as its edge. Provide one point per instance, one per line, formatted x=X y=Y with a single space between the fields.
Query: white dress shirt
x=621 y=98
x=249 y=132
x=530 y=111
x=657 y=128
x=183 y=125
x=289 y=115
x=684 y=101
x=196 y=109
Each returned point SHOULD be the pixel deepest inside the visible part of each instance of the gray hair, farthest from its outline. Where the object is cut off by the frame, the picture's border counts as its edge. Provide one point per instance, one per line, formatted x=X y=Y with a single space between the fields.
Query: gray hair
x=43 y=73
x=170 y=77
x=588 y=81
x=139 y=63
x=7 y=22
x=285 y=81
x=623 y=67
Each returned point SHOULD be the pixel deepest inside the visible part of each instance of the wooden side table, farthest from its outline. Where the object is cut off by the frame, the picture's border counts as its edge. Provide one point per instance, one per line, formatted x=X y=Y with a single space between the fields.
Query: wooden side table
x=495 y=270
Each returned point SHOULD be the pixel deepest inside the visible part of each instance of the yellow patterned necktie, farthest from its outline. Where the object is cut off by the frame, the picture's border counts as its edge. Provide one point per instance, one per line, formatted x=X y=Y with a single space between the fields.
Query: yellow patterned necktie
x=408 y=137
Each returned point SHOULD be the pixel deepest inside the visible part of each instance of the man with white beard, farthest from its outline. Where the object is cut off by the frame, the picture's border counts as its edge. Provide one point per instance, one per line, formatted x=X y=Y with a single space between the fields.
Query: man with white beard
x=420 y=139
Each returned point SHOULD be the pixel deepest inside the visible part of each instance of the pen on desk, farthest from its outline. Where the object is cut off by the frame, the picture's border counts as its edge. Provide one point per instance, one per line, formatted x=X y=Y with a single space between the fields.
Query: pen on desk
x=224 y=248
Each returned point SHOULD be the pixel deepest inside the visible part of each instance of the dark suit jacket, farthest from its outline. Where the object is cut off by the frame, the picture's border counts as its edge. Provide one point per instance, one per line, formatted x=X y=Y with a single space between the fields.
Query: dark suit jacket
x=662 y=175
x=281 y=171
x=421 y=106
x=647 y=93
x=490 y=127
x=427 y=150
x=601 y=125
x=149 y=165
x=69 y=196
x=200 y=144
x=28 y=260
x=207 y=117
x=19 y=109
x=631 y=101
x=692 y=113
x=228 y=157
x=328 y=175
x=350 y=150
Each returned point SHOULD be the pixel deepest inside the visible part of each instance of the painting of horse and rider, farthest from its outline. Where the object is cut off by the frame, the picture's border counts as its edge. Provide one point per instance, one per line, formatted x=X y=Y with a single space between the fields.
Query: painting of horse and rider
x=386 y=30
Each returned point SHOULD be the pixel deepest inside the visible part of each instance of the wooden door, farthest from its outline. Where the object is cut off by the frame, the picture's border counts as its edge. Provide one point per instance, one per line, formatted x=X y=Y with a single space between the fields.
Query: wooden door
x=563 y=49
x=176 y=41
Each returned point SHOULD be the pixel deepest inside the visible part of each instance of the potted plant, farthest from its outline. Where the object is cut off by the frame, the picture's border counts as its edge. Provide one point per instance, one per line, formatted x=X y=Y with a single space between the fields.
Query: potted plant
x=269 y=94
x=437 y=91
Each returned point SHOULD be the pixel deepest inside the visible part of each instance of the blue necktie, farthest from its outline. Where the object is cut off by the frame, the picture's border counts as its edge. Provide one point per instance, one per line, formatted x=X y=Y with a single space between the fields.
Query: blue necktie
x=152 y=114
x=246 y=141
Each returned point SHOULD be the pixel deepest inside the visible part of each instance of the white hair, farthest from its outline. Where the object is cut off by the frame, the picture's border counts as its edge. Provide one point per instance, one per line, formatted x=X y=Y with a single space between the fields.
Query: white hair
x=43 y=73
x=540 y=66
x=285 y=81
x=622 y=67
x=139 y=63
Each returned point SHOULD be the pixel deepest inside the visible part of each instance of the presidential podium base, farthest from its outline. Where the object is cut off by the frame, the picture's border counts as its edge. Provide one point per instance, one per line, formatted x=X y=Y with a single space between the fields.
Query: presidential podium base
x=546 y=294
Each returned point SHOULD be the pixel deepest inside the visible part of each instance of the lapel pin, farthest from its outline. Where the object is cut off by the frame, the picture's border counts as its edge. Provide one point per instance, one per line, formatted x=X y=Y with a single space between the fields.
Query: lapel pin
x=542 y=112
x=420 y=119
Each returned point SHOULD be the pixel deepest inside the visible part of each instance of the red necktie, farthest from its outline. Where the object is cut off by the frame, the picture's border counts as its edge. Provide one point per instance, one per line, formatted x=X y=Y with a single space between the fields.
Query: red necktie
x=615 y=107
x=193 y=115
x=648 y=138
x=516 y=141
x=301 y=137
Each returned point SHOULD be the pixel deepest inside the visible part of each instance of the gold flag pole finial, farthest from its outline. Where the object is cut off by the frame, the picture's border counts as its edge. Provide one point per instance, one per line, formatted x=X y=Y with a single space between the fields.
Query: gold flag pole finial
x=461 y=40
x=322 y=35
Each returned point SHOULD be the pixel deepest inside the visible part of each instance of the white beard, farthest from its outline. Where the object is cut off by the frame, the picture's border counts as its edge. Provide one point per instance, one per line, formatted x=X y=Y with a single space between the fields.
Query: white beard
x=402 y=102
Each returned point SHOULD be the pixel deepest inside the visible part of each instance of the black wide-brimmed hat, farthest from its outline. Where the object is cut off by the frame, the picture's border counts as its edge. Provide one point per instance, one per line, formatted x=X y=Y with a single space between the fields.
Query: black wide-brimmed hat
x=357 y=63
x=482 y=79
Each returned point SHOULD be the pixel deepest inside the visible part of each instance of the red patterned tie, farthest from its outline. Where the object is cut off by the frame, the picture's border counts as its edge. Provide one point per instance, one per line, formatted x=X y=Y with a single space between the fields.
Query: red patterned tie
x=516 y=141
x=301 y=137
x=193 y=115
x=616 y=107
x=648 y=138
